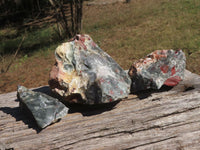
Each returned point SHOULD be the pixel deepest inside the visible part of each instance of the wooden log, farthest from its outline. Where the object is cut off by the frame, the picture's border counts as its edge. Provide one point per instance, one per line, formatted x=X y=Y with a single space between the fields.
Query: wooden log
x=150 y=120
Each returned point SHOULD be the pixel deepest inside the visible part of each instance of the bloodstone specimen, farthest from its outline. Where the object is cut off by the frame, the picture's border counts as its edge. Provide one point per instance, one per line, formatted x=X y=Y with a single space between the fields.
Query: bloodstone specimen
x=83 y=69
x=161 y=67
x=45 y=109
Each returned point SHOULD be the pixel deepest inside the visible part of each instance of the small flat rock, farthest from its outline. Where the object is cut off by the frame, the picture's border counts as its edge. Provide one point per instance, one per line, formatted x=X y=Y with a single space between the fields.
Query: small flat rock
x=161 y=67
x=45 y=109
x=85 y=74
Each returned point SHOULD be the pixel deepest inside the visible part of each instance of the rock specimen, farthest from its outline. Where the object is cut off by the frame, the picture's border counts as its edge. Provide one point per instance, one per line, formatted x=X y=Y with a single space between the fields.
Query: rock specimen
x=45 y=109
x=156 y=69
x=82 y=68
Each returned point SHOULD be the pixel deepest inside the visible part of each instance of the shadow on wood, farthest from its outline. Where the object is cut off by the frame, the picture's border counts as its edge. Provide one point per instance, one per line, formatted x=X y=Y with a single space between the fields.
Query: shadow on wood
x=19 y=115
x=85 y=110
x=27 y=118
x=146 y=93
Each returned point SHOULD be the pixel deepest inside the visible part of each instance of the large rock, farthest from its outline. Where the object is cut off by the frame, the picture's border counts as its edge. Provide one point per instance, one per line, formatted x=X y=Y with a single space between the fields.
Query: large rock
x=84 y=73
x=161 y=67
x=44 y=109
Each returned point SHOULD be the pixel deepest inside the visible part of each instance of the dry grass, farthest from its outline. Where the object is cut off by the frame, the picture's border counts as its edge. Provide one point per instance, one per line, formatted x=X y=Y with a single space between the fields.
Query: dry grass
x=31 y=72
x=130 y=31
x=127 y=32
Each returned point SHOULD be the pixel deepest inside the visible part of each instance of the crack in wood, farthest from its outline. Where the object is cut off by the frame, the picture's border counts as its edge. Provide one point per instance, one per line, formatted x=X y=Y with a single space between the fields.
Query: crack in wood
x=111 y=134
x=173 y=113
x=178 y=125
x=165 y=139
x=100 y=130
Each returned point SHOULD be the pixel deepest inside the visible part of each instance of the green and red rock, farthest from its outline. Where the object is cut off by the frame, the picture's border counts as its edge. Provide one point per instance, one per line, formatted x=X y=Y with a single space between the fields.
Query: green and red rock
x=84 y=70
x=161 y=67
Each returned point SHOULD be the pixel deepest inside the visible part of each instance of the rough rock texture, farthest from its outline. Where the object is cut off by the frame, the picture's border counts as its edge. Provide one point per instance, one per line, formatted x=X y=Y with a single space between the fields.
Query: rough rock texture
x=44 y=109
x=156 y=69
x=83 y=69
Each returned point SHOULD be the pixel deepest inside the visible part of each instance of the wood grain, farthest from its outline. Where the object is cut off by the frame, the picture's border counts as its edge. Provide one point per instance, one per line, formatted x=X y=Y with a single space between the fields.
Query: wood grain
x=155 y=120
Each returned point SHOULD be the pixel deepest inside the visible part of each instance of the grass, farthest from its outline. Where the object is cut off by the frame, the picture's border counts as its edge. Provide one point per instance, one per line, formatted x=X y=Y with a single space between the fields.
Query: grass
x=34 y=39
x=144 y=26
x=126 y=31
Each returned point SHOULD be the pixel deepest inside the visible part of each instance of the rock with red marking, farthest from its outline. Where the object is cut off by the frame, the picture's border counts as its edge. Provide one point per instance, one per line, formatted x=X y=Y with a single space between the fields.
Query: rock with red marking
x=156 y=69
x=84 y=73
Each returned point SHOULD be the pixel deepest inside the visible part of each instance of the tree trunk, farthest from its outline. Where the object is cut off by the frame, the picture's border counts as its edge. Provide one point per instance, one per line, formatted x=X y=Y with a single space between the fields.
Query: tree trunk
x=61 y=18
x=151 y=120
x=75 y=8
x=72 y=15
x=78 y=15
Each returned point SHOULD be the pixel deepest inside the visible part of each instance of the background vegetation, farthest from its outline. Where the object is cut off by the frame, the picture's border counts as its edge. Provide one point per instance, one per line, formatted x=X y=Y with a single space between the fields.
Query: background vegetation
x=125 y=31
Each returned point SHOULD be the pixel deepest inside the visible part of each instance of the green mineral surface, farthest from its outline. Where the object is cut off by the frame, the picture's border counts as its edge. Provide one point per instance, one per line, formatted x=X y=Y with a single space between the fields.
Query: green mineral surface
x=45 y=109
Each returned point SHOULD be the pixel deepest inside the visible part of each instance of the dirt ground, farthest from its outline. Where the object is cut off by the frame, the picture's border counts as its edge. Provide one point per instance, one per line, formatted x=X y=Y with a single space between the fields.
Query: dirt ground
x=36 y=74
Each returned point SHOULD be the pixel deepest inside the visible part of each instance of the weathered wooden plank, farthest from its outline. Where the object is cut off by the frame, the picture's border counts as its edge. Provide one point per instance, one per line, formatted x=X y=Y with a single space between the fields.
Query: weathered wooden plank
x=150 y=120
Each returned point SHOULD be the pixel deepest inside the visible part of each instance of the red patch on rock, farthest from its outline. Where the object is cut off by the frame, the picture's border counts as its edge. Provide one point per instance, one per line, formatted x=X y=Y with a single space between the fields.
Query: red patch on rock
x=85 y=48
x=82 y=39
x=111 y=92
x=173 y=81
x=173 y=71
x=54 y=72
x=164 y=68
x=93 y=44
x=101 y=80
